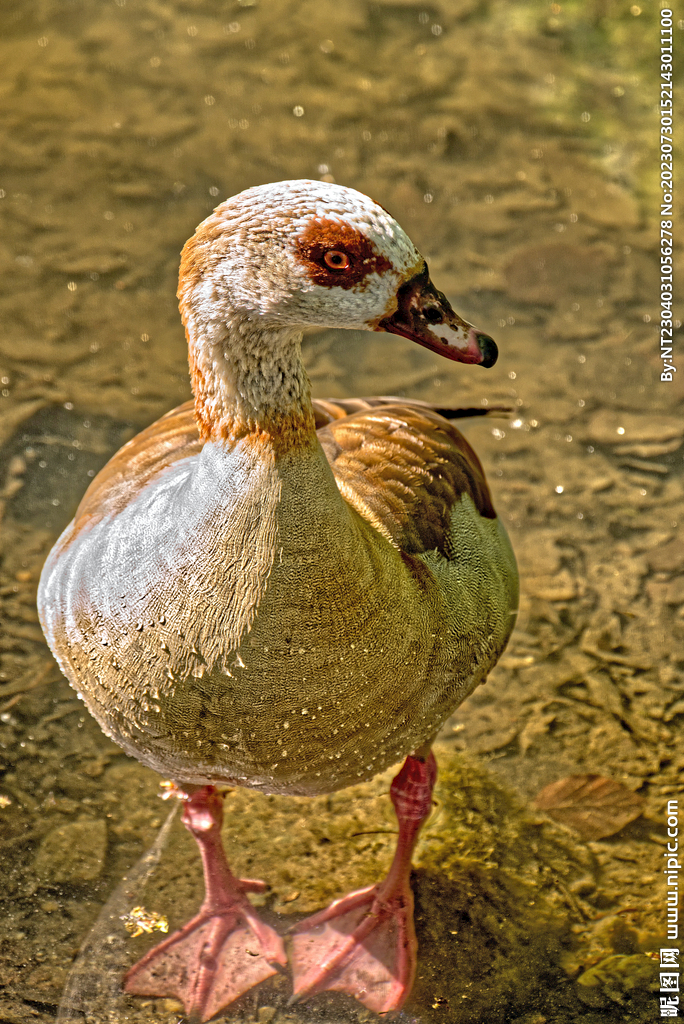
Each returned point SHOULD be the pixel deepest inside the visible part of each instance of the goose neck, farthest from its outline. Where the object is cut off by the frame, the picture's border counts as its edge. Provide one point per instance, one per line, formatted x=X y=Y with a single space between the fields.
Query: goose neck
x=248 y=378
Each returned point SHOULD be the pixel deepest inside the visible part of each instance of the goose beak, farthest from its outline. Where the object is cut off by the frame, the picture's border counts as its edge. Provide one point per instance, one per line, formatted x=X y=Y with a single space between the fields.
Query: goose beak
x=425 y=316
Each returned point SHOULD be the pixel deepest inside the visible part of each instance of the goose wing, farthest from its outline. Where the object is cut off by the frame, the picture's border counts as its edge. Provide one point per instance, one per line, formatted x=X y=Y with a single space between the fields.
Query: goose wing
x=400 y=463
x=403 y=466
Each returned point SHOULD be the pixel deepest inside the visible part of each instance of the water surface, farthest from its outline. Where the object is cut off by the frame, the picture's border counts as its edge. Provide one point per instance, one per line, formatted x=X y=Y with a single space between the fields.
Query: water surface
x=515 y=143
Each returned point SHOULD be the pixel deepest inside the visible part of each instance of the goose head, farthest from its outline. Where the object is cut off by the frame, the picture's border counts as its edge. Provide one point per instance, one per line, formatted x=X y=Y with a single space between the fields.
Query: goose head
x=279 y=258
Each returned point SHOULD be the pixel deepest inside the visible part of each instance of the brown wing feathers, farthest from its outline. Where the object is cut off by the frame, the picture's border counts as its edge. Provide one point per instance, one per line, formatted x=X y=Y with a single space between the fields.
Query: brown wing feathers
x=173 y=437
x=408 y=466
x=328 y=409
x=399 y=460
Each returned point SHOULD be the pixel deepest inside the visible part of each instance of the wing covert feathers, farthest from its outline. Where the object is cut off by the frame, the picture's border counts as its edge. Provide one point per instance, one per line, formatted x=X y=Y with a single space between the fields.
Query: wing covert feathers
x=403 y=467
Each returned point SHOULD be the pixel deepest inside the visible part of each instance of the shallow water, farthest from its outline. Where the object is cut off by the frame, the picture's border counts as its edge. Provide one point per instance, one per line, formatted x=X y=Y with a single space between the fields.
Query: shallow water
x=515 y=143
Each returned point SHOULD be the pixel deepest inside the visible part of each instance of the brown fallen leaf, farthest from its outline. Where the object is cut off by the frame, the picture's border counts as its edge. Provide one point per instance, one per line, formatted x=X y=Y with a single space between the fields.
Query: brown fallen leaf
x=594 y=806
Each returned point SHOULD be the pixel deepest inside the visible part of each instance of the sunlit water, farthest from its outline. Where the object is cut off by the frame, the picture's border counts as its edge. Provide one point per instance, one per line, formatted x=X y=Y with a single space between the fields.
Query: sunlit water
x=515 y=143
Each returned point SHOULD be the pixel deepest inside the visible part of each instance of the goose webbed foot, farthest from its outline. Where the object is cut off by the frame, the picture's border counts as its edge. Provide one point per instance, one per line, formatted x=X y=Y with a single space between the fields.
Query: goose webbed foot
x=365 y=943
x=225 y=949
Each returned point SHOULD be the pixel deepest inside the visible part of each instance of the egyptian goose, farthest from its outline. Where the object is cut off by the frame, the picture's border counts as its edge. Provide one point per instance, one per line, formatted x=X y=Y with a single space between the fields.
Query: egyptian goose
x=244 y=599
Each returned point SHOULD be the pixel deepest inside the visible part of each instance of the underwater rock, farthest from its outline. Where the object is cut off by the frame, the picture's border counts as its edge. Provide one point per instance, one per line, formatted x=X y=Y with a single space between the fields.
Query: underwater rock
x=74 y=852
x=619 y=979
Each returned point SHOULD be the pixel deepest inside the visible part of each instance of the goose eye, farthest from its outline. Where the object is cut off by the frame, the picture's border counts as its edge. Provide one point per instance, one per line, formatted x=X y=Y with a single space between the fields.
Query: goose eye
x=336 y=260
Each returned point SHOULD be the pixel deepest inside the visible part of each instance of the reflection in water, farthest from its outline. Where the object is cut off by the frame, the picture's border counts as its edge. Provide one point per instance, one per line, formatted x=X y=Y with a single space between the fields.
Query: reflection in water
x=93 y=987
x=512 y=142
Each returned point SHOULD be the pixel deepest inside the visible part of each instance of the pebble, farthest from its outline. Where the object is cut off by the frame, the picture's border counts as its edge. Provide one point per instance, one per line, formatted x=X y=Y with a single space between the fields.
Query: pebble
x=608 y=426
x=668 y=558
x=73 y=852
x=548 y=272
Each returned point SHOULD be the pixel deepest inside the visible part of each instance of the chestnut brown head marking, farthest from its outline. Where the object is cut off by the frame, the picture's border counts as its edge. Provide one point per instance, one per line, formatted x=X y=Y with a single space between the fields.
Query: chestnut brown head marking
x=337 y=255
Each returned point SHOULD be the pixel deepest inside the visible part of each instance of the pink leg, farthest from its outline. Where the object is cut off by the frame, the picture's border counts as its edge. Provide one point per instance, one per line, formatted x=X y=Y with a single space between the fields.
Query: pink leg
x=225 y=949
x=365 y=943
